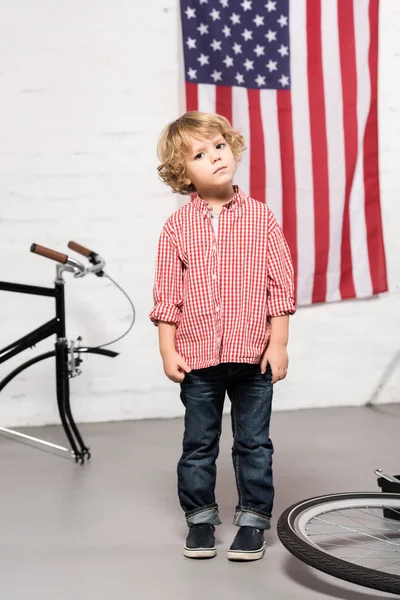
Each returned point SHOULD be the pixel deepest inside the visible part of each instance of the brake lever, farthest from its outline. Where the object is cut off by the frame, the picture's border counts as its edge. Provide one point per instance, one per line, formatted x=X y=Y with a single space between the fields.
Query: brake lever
x=97 y=268
x=98 y=264
x=95 y=259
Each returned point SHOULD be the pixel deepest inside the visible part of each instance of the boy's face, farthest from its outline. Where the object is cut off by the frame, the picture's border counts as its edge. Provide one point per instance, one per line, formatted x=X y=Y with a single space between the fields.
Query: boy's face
x=210 y=163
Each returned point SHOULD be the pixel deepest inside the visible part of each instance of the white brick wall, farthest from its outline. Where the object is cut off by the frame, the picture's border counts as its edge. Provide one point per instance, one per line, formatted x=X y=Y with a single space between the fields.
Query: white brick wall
x=83 y=98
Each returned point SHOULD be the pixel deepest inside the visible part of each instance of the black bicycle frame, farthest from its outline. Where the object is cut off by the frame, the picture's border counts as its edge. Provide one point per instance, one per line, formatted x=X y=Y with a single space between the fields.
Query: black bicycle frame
x=56 y=327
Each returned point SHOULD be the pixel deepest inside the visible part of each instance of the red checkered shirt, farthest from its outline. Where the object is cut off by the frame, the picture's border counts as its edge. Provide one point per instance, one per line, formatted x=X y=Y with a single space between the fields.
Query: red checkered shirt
x=221 y=292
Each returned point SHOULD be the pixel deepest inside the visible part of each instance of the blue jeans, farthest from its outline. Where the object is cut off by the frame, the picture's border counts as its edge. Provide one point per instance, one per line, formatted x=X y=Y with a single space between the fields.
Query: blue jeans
x=203 y=394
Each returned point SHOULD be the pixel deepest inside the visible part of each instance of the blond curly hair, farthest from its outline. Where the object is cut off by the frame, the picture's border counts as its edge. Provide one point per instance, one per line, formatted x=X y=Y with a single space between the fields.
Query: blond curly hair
x=174 y=144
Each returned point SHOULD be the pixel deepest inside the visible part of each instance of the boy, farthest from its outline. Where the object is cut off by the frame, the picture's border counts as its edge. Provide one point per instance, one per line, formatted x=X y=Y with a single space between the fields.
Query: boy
x=223 y=294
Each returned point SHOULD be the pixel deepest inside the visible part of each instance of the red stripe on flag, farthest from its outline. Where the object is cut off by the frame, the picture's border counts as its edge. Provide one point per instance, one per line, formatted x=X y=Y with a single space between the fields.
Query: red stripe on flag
x=373 y=216
x=289 y=216
x=223 y=101
x=192 y=100
x=319 y=149
x=348 y=69
x=257 y=147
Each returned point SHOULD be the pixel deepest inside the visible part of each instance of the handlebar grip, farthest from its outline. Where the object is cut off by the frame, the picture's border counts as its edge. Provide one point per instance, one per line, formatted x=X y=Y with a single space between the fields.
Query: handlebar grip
x=81 y=249
x=48 y=253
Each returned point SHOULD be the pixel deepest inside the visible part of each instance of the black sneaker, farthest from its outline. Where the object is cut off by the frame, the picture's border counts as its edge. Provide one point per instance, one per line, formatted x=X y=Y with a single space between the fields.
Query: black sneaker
x=200 y=543
x=248 y=544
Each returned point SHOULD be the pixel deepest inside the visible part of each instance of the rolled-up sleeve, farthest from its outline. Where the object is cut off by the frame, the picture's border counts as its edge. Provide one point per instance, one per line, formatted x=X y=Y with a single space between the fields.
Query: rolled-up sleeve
x=167 y=290
x=280 y=287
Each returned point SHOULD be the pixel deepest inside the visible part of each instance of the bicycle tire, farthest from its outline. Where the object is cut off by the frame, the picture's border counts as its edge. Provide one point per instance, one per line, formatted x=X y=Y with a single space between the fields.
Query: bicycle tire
x=295 y=543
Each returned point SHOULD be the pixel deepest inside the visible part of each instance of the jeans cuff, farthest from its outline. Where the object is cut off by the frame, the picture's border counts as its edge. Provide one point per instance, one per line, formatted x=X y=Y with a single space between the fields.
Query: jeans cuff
x=208 y=515
x=251 y=519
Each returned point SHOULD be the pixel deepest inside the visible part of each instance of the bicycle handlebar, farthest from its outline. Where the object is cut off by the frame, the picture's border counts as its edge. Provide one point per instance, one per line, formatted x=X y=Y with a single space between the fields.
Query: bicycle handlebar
x=48 y=253
x=78 y=268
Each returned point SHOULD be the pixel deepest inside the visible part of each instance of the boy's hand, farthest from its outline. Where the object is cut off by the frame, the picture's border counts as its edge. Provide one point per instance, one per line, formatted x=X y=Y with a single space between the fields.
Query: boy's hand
x=175 y=366
x=276 y=355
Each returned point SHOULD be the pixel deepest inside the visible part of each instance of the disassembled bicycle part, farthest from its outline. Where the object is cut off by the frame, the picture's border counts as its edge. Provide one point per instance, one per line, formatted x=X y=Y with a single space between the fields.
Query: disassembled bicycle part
x=39 y=441
x=390 y=478
x=354 y=536
x=67 y=356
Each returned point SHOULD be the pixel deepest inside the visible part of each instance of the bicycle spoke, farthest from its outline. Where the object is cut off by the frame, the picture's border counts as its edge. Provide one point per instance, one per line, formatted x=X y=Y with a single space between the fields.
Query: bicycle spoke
x=394 y=572
x=371 y=553
x=388 y=565
x=357 y=523
x=392 y=526
x=338 y=534
x=353 y=530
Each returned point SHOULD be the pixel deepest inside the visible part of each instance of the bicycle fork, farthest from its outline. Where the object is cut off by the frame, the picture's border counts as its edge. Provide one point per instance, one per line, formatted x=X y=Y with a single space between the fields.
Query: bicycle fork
x=80 y=450
x=62 y=374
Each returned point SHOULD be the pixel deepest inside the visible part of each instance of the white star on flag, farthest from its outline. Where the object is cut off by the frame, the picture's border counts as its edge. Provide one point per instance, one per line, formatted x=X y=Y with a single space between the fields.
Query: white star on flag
x=259 y=50
x=226 y=31
x=271 y=36
x=191 y=43
x=191 y=13
x=272 y=65
x=283 y=50
x=246 y=4
x=203 y=59
x=237 y=48
x=235 y=19
x=247 y=34
x=202 y=28
x=283 y=21
x=228 y=60
x=239 y=78
x=216 y=45
x=260 y=80
x=192 y=73
x=214 y=14
x=216 y=75
x=270 y=6
x=284 y=80
x=248 y=64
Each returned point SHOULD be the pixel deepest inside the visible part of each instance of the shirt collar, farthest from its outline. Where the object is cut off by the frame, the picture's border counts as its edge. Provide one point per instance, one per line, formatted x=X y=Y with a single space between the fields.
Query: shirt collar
x=237 y=200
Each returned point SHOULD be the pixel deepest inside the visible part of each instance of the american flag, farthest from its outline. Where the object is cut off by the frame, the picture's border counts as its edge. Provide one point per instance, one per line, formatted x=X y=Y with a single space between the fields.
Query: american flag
x=298 y=78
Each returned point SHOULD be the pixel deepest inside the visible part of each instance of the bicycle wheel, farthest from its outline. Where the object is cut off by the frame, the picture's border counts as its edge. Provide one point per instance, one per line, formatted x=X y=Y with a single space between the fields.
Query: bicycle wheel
x=347 y=536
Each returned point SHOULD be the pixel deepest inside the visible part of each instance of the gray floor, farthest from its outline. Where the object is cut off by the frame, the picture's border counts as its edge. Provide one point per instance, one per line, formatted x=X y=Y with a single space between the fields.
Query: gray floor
x=113 y=527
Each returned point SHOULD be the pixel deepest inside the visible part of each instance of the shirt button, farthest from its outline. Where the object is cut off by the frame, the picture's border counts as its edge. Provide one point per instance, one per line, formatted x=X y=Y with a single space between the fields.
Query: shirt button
x=214 y=276
x=217 y=309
